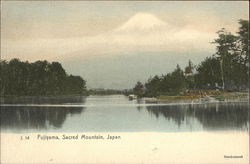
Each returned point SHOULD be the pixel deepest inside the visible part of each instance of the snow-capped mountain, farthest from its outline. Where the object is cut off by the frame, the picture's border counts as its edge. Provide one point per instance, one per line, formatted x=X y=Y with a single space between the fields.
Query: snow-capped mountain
x=144 y=22
x=142 y=32
x=144 y=43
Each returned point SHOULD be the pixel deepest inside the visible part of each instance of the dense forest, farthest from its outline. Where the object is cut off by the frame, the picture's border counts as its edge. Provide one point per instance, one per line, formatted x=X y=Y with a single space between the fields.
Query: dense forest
x=227 y=69
x=19 y=78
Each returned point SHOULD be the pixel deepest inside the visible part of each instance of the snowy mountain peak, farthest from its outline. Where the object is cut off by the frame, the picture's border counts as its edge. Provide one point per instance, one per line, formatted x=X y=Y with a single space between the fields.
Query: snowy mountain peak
x=142 y=22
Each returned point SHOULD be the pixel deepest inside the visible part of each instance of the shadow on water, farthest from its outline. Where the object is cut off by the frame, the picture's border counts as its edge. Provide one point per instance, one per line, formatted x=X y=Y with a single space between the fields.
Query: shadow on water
x=118 y=114
x=43 y=100
x=139 y=101
x=214 y=116
x=38 y=117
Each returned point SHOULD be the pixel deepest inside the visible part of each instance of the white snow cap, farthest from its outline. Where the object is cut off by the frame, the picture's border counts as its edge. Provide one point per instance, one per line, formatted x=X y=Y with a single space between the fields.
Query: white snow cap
x=143 y=22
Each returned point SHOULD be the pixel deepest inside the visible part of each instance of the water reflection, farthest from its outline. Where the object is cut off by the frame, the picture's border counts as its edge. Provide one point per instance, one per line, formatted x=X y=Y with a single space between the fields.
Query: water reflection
x=35 y=117
x=214 y=116
x=139 y=101
x=43 y=100
x=38 y=117
x=117 y=113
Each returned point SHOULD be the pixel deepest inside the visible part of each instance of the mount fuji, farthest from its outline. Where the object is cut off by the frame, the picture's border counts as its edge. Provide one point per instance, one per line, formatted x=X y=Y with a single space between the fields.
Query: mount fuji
x=141 y=32
x=144 y=22
x=141 y=47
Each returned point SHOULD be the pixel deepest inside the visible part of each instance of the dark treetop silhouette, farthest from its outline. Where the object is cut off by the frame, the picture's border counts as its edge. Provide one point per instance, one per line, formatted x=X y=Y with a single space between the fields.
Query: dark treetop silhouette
x=39 y=78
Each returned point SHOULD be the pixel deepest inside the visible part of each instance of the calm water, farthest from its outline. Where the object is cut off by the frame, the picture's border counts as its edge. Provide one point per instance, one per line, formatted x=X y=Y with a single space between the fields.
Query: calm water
x=117 y=113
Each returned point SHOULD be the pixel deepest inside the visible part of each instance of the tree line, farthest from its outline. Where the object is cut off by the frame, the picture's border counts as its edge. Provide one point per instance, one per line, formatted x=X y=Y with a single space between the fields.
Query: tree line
x=227 y=69
x=19 y=78
x=102 y=91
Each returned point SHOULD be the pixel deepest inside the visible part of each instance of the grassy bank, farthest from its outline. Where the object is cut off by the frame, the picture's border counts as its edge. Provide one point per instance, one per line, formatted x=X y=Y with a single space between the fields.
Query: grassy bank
x=232 y=96
x=178 y=97
x=197 y=95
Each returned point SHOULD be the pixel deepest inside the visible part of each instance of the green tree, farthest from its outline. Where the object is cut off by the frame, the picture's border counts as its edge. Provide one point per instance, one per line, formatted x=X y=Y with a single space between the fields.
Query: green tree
x=56 y=77
x=242 y=60
x=208 y=73
x=233 y=53
x=38 y=78
x=74 y=85
x=153 y=86
x=138 y=89
x=177 y=81
x=243 y=40
x=170 y=84
x=226 y=47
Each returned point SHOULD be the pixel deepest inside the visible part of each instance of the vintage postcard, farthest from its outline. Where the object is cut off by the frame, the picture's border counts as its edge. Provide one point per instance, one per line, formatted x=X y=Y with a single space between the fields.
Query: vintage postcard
x=124 y=82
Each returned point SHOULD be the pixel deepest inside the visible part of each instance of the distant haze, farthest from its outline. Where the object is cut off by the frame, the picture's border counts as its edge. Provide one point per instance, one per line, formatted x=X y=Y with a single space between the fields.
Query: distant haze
x=115 y=44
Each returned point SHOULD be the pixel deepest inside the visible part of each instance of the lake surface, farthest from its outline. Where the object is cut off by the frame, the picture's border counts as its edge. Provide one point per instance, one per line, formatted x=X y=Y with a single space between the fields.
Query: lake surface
x=116 y=113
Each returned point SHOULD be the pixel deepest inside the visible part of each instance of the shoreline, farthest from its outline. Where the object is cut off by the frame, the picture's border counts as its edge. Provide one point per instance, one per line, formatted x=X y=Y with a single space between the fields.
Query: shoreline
x=202 y=98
